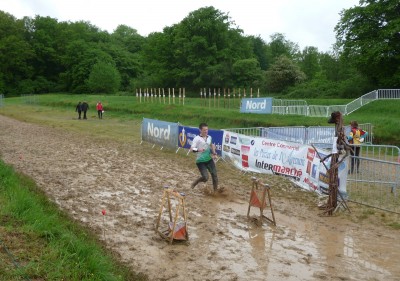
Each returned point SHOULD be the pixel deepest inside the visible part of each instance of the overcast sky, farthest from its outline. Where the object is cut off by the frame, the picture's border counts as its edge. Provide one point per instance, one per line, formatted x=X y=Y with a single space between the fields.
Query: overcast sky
x=305 y=22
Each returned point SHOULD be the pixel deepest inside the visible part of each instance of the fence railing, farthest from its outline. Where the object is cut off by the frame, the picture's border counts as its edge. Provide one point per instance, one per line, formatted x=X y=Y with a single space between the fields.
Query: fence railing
x=29 y=98
x=252 y=132
x=389 y=153
x=363 y=100
x=374 y=183
x=346 y=109
x=301 y=134
x=388 y=94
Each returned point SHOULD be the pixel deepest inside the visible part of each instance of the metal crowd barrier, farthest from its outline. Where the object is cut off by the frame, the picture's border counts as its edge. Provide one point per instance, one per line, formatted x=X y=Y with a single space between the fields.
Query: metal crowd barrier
x=253 y=131
x=377 y=181
x=299 y=107
x=375 y=184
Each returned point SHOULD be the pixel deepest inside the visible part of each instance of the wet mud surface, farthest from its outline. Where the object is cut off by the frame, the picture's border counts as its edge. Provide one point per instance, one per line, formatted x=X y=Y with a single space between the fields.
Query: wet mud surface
x=84 y=175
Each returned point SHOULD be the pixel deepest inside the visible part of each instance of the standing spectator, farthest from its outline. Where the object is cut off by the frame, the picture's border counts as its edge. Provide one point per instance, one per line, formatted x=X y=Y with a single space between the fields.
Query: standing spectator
x=355 y=137
x=85 y=108
x=79 y=109
x=99 y=108
x=205 y=149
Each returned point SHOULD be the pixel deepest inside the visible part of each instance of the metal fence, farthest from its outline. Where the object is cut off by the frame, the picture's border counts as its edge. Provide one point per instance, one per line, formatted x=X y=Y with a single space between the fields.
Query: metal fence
x=252 y=132
x=388 y=94
x=363 y=100
x=1 y=100
x=376 y=178
x=389 y=153
x=299 y=107
x=29 y=98
x=301 y=134
x=377 y=181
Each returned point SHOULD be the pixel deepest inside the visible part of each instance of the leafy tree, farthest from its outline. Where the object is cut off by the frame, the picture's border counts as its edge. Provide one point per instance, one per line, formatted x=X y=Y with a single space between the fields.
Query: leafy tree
x=158 y=60
x=15 y=54
x=104 y=78
x=79 y=60
x=368 y=35
x=260 y=51
x=283 y=74
x=280 y=46
x=205 y=45
x=246 y=72
x=310 y=62
x=330 y=67
x=128 y=64
x=43 y=36
x=128 y=38
x=201 y=42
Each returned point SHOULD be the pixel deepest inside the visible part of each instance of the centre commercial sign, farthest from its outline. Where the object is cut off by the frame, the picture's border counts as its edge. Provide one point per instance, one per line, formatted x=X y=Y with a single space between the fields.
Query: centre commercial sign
x=256 y=105
x=298 y=162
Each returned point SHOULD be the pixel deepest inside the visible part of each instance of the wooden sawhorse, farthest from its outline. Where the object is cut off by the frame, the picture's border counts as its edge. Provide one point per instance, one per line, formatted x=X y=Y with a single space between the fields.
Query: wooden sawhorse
x=259 y=200
x=177 y=225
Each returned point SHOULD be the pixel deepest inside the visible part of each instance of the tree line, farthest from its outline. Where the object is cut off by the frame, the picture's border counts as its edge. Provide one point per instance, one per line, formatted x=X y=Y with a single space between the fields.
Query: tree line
x=205 y=50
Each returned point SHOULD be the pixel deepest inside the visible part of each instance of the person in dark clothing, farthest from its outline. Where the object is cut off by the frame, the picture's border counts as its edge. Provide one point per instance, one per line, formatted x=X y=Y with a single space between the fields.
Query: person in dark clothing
x=85 y=108
x=79 y=109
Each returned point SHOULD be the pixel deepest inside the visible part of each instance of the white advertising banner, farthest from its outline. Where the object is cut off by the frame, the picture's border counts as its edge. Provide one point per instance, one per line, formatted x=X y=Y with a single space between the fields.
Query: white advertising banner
x=300 y=163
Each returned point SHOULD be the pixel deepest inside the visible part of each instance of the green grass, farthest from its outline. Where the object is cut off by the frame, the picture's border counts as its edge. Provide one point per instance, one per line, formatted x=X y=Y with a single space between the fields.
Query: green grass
x=40 y=242
x=384 y=115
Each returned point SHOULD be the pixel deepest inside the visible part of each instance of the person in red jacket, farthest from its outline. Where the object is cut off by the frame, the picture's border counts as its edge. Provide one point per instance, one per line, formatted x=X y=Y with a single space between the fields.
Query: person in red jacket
x=99 y=108
x=356 y=137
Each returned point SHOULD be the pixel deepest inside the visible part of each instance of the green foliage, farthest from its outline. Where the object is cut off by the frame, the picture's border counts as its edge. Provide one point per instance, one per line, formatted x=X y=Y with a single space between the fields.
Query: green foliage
x=128 y=37
x=26 y=87
x=320 y=87
x=198 y=52
x=283 y=74
x=205 y=50
x=309 y=62
x=280 y=46
x=246 y=72
x=368 y=35
x=15 y=54
x=104 y=78
x=260 y=51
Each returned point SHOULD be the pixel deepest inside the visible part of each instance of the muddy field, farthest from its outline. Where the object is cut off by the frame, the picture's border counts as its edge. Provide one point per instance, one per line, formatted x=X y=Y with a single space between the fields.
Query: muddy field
x=85 y=175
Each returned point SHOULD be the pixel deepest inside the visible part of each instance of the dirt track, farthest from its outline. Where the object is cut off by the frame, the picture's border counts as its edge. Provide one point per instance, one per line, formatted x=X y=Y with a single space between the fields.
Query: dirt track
x=84 y=175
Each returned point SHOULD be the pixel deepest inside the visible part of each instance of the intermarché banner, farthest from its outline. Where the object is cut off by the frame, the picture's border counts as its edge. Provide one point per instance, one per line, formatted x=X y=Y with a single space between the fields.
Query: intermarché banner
x=300 y=163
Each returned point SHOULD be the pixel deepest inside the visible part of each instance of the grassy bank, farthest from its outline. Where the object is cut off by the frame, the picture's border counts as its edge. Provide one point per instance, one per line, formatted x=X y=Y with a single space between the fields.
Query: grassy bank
x=40 y=242
x=382 y=114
